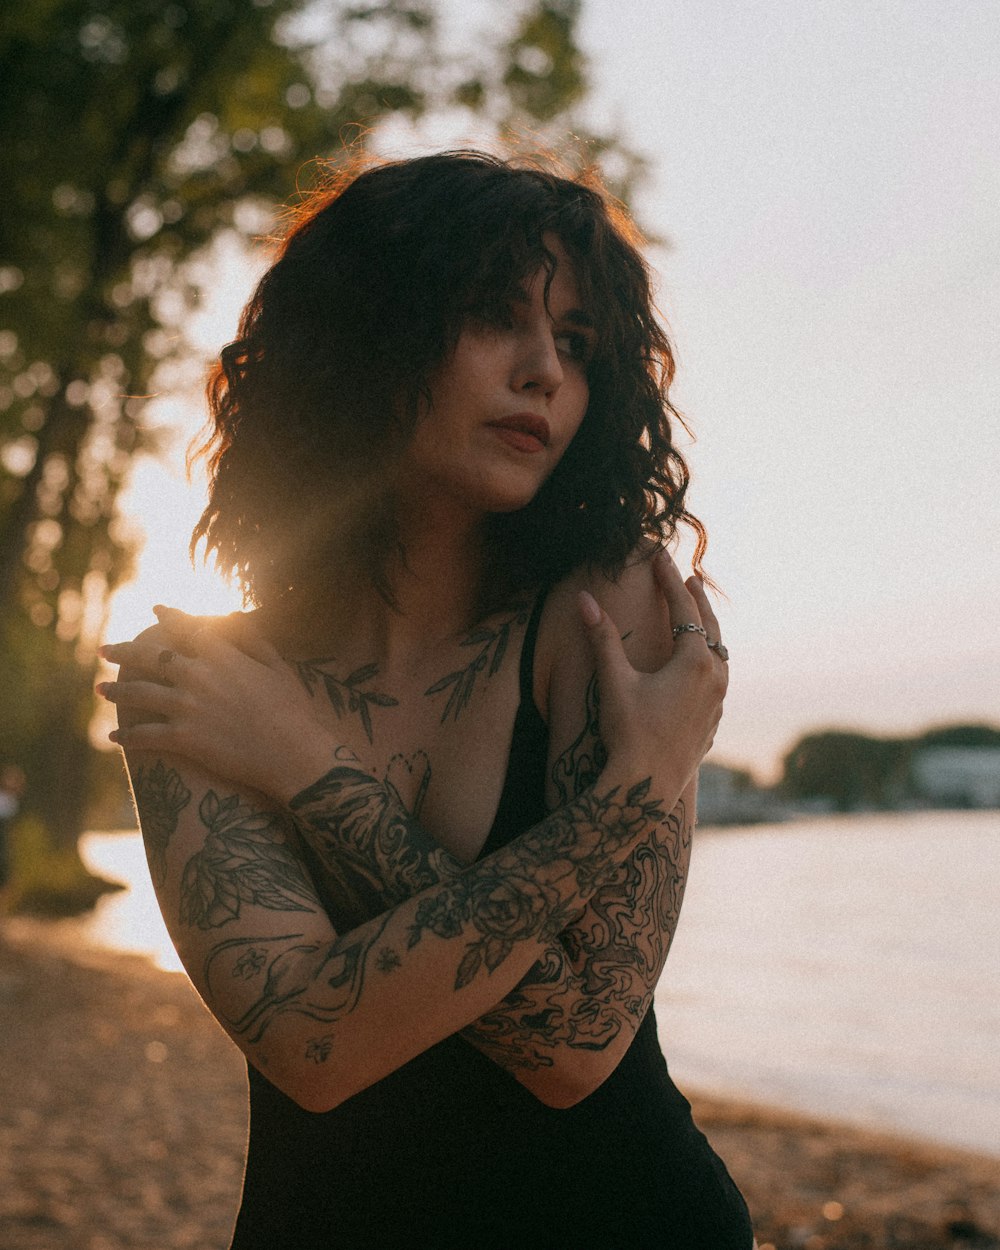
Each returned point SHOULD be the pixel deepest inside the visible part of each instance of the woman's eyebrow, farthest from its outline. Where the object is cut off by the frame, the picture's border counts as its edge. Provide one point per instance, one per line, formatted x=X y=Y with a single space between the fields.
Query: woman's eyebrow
x=579 y=317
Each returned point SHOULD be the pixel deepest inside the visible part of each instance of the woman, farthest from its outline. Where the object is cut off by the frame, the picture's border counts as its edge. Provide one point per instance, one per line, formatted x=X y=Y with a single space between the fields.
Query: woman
x=424 y=891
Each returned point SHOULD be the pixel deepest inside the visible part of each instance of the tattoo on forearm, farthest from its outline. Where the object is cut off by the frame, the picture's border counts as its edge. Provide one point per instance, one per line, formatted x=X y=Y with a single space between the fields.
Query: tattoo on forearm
x=345 y=694
x=245 y=859
x=489 y=909
x=612 y=959
x=509 y=906
x=160 y=797
x=492 y=644
x=613 y=954
x=249 y=964
x=580 y=764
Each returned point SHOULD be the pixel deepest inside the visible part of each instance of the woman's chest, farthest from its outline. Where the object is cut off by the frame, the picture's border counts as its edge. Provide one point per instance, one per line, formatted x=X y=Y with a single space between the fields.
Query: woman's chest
x=441 y=739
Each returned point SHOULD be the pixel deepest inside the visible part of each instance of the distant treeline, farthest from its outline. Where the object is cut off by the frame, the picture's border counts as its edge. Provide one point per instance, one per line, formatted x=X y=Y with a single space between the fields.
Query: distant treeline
x=852 y=770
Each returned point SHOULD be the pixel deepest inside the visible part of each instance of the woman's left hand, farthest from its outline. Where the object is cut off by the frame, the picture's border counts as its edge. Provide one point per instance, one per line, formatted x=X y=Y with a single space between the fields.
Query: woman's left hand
x=230 y=704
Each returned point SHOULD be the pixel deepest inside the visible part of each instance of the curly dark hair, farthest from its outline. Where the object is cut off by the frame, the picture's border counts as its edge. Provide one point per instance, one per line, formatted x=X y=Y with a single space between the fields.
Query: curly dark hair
x=316 y=399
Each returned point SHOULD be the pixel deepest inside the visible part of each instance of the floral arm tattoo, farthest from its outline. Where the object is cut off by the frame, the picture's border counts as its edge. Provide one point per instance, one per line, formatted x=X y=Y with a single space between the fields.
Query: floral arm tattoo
x=600 y=978
x=528 y=891
x=596 y=979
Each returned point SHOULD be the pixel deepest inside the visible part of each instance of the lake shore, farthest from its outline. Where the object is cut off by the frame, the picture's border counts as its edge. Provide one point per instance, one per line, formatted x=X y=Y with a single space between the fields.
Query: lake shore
x=122 y=1122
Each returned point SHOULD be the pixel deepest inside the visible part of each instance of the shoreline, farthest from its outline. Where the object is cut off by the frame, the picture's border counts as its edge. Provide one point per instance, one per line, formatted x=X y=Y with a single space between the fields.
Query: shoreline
x=123 y=1117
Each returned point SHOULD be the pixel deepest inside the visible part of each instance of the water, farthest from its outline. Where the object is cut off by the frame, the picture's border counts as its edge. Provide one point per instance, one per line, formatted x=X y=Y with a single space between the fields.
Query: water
x=129 y=920
x=847 y=967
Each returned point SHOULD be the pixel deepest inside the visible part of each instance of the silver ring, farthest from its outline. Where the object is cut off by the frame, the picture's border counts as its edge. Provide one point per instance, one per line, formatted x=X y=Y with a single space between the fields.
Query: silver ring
x=688 y=629
x=720 y=650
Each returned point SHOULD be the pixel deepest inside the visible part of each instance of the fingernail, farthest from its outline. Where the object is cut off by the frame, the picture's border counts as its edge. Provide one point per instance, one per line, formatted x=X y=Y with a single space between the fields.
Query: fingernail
x=589 y=609
x=102 y=687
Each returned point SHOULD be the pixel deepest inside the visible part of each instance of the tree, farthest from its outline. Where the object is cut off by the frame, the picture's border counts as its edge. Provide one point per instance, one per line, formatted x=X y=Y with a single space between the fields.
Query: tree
x=959 y=736
x=131 y=133
x=848 y=769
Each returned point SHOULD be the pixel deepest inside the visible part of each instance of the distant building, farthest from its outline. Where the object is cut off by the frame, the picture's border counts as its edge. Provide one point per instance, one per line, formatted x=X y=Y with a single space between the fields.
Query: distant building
x=729 y=796
x=957 y=776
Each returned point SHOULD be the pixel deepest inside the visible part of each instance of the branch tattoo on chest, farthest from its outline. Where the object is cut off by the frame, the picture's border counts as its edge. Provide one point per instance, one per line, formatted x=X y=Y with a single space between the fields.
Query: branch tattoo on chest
x=354 y=696
x=346 y=694
x=492 y=646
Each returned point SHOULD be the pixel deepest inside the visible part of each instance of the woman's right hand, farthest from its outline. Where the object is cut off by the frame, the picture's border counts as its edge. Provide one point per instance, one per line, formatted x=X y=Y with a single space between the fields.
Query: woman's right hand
x=229 y=704
x=660 y=724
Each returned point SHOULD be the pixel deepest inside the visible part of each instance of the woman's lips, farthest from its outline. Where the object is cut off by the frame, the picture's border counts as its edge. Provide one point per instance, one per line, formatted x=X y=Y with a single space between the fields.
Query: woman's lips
x=523 y=431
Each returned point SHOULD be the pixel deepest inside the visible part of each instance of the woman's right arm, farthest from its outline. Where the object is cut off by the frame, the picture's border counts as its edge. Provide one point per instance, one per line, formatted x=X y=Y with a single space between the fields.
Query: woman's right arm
x=323 y=1014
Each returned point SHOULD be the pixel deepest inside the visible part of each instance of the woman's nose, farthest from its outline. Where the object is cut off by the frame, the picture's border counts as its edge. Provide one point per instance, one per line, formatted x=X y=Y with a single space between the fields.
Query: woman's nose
x=538 y=364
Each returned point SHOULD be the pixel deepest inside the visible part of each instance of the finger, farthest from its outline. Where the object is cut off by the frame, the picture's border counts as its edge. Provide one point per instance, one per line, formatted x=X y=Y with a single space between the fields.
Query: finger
x=144 y=657
x=217 y=638
x=150 y=696
x=176 y=619
x=681 y=604
x=708 y=618
x=184 y=630
x=605 y=642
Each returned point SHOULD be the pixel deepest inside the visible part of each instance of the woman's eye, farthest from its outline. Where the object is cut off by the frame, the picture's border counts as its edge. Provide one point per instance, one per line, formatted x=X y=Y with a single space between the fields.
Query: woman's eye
x=577 y=346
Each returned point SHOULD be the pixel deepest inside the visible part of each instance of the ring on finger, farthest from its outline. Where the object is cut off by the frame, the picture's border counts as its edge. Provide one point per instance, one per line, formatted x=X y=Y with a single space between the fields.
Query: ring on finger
x=688 y=629
x=720 y=649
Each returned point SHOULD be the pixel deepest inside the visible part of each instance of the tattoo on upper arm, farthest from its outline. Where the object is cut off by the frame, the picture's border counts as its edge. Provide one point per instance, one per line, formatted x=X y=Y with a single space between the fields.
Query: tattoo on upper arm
x=492 y=644
x=321 y=981
x=160 y=797
x=345 y=694
x=318 y=1048
x=581 y=763
x=245 y=859
x=371 y=851
x=387 y=960
x=489 y=909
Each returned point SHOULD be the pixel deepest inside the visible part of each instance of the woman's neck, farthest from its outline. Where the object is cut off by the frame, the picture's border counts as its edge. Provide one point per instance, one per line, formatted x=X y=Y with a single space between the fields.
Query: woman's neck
x=434 y=585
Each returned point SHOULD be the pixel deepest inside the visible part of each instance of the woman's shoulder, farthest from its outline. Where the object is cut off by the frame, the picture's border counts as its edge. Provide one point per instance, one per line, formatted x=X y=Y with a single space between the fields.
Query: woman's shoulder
x=632 y=599
x=631 y=587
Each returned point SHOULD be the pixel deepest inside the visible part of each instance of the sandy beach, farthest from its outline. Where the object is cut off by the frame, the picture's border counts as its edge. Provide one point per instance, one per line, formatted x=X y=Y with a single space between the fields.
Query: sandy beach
x=122 y=1121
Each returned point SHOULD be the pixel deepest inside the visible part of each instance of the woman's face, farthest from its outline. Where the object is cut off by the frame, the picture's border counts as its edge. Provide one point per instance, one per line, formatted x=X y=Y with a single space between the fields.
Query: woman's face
x=507 y=402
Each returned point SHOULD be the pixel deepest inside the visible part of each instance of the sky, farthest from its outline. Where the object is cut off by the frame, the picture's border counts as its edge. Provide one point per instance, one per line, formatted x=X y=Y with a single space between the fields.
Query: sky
x=828 y=177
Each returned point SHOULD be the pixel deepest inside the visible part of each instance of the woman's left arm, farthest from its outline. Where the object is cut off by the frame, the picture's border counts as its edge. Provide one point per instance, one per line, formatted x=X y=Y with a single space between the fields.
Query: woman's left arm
x=569 y=1022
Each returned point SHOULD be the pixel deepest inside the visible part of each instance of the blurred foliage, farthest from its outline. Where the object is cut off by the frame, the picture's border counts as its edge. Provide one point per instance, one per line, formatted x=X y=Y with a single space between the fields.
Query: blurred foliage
x=960 y=736
x=133 y=132
x=46 y=880
x=853 y=770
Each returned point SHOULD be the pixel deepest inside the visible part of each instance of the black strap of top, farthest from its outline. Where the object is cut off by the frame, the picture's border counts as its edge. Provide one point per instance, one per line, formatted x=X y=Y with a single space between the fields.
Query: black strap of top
x=522 y=800
x=527 y=670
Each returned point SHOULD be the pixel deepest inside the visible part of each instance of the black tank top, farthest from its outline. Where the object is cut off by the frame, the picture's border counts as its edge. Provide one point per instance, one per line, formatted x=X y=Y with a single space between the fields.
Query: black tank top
x=452 y=1153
